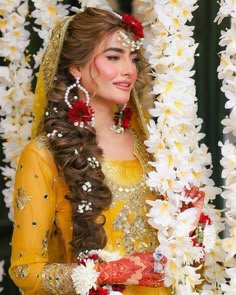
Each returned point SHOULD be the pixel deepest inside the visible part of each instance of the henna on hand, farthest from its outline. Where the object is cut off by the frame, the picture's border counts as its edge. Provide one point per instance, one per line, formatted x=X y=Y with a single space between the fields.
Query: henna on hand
x=136 y=269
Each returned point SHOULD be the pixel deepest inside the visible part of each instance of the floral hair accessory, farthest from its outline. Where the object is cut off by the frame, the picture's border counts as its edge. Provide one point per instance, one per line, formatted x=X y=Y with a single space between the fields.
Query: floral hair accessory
x=81 y=114
x=134 y=26
x=84 y=206
x=54 y=133
x=130 y=22
x=87 y=187
x=93 y=162
x=122 y=120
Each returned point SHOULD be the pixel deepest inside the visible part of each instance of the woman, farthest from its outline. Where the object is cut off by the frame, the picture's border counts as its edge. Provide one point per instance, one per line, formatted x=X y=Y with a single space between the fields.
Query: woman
x=80 y=184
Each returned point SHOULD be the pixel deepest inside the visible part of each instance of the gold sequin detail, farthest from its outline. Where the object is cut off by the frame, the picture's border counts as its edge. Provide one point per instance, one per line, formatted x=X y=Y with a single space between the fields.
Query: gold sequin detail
x=45 y=245
x=137 y=234
x=56 y=278
x=22 y=271
x=21 y=200
x=41 y=141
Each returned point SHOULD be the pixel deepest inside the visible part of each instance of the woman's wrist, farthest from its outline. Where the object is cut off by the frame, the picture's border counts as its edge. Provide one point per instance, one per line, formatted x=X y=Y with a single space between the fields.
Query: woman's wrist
x=85 y=276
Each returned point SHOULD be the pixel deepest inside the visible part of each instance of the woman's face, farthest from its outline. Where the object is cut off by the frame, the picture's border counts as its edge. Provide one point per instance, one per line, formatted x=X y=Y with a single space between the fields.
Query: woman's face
x=111 y=72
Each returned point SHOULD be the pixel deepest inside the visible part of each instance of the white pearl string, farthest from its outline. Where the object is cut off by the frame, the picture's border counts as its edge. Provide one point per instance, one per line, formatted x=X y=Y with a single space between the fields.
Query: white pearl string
x=76 y=84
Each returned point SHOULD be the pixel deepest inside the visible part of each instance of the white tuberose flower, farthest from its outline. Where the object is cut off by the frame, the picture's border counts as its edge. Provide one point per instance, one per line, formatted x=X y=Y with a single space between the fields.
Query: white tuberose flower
x=84 y=277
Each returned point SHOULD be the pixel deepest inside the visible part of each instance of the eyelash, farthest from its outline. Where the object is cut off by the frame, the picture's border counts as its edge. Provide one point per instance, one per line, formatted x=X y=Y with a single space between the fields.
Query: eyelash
x=136 y=60
x=113 y=57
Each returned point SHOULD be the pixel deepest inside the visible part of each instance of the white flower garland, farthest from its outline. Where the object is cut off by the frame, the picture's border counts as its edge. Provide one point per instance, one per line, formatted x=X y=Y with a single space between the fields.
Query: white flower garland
x=174 y=140
x=15 y=86
x=1 y=273
x=16 y=77
x=175 y=46
x=85 y=276
x=226 y=72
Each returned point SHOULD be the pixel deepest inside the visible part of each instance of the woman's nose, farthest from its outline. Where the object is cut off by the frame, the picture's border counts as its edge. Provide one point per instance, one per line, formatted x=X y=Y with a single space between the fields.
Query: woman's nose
x=129 y=68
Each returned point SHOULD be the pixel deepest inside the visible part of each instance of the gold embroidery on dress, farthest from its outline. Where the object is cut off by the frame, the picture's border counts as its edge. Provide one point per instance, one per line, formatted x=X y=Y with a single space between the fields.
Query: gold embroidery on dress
x=21 y=200
x=56 y=278
x=21 y=271
x=41 y=141
x=45 y=245
x=137 y=234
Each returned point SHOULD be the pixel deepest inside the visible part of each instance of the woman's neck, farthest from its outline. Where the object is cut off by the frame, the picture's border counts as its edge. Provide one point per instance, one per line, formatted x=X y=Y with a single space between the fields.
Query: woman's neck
x=104 y=116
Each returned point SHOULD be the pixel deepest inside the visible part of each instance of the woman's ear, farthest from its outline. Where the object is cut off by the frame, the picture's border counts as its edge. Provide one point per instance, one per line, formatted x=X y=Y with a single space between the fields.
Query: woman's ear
x=75 y=72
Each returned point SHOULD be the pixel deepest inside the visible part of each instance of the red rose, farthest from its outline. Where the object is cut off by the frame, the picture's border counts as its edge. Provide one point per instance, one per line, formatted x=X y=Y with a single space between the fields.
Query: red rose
x=130 y=22
x=80 y=112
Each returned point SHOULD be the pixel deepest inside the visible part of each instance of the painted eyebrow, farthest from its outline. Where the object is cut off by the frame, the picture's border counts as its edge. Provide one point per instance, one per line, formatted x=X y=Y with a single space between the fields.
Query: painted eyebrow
x=119 y=50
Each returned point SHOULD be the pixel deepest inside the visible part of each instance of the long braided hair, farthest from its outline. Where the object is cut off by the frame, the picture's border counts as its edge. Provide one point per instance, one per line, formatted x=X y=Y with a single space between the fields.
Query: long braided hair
x=84 y=33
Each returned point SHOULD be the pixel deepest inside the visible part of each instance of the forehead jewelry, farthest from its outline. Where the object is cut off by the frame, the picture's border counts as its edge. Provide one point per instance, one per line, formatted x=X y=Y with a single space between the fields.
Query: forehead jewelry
x=133 y=25
x=126 y=42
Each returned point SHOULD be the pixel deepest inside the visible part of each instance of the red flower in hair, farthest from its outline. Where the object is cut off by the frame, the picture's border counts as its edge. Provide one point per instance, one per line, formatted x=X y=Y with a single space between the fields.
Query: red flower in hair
x=130 y=22
x=80 y=112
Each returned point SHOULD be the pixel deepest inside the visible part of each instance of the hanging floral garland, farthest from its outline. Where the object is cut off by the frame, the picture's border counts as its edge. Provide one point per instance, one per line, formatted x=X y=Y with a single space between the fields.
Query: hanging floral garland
x=226 y=72
x=16 y=77
x=1 y=273
x=180 y=161
x=171 y=55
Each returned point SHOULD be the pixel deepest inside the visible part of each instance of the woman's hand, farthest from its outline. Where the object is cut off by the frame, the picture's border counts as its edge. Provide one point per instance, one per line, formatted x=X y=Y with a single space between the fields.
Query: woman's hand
x=137 y=269
x=197 y=201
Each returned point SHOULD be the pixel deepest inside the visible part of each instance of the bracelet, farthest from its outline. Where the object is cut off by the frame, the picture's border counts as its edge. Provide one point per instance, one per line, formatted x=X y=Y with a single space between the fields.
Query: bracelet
x=85 y=276
x=205 y=233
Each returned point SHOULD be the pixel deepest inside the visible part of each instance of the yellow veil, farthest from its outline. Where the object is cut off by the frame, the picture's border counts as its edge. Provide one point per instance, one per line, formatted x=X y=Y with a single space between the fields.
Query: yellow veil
x=47 y=73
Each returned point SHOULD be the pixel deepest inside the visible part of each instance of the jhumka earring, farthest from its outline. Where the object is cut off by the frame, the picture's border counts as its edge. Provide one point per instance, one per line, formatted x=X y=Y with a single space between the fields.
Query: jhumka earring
x=122 y=120
x=80 y=113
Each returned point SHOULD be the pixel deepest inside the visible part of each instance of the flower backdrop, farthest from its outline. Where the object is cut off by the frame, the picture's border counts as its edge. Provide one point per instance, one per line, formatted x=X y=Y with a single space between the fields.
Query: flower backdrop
x=175 y=134
x=226 y=72
x=180 y=160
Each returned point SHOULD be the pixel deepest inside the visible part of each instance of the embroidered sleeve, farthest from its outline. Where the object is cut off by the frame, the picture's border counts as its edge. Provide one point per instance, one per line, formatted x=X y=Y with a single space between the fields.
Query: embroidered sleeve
x=56 y=279
x=34 y=216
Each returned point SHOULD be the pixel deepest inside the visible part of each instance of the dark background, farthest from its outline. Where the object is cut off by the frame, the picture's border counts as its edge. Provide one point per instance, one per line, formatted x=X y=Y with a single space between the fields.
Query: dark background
x=211 y=109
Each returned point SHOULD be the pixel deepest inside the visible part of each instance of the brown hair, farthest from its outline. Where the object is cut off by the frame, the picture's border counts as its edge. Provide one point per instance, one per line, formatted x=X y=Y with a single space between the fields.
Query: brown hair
x=84 y=33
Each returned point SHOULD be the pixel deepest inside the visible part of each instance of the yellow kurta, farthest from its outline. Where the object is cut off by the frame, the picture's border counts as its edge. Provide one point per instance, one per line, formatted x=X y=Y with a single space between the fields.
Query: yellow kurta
x=127 y=228
x=43 y=228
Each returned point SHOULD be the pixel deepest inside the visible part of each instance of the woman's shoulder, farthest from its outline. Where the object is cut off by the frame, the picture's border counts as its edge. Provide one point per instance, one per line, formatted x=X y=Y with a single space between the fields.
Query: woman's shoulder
x=38 y=147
